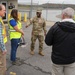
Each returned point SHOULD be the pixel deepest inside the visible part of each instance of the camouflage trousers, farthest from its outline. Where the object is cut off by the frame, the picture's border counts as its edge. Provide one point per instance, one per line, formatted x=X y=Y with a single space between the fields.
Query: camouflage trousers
x=2 y=63
x=40 y=39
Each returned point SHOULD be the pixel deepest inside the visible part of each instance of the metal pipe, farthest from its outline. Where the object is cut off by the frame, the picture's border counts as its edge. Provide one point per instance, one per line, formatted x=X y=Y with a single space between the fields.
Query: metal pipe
x=47 y=11
x=31 y=8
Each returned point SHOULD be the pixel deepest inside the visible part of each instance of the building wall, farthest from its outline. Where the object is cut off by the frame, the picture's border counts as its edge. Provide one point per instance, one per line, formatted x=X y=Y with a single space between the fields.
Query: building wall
x=49 y=11
x=8 y=2
x=21 y=7
x=24 y=9
x=27 y=9
x=14 y=2
x=48 y=14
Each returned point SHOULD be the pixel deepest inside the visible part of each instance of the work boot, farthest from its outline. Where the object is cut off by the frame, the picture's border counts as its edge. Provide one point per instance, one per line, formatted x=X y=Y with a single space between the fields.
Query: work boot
x=17 y=58
x=41 y=53
x=32 y=52
x=16 y=62
x=13 y=62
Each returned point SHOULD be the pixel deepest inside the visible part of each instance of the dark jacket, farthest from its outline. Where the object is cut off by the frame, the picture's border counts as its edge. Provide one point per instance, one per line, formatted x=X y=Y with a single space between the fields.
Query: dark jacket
x=62 y=38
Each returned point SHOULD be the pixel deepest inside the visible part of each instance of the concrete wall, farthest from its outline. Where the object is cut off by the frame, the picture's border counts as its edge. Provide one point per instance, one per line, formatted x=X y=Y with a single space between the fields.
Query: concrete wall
x=14 y=2
x=26 y=9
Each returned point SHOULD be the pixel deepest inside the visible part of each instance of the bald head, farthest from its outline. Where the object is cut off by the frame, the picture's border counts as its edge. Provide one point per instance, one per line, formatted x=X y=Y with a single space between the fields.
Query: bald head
x=1 y=6
x=2 y=10
x=68 y=13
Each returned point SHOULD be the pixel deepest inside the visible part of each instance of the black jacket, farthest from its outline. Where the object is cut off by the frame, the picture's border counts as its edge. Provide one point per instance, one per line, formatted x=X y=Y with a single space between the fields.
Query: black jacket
x=62 y=38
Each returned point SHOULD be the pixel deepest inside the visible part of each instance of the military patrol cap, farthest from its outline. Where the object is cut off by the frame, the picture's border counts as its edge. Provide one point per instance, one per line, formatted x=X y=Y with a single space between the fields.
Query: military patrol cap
x=39 y=10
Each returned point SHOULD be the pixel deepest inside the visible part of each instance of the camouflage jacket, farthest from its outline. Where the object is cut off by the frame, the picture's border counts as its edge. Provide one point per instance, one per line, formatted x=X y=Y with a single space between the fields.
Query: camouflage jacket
x=39 y=25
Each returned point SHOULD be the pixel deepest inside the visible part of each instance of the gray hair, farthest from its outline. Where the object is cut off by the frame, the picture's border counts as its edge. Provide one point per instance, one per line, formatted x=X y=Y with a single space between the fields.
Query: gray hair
x=68 y=12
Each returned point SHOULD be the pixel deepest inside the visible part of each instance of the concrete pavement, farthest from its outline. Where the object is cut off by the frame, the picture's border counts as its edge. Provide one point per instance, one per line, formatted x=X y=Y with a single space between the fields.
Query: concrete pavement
x=32 y=65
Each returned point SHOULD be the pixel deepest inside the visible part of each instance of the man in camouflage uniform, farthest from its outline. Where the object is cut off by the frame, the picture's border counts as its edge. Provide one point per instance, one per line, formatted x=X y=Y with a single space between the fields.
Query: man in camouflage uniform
x=38 y=31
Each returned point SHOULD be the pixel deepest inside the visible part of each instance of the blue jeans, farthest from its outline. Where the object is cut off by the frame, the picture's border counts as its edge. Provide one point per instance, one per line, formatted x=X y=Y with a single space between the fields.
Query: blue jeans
x=14 y=46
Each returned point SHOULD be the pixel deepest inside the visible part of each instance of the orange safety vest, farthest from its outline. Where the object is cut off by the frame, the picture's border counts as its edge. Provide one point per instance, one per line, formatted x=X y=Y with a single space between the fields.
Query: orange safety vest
x=4 y=31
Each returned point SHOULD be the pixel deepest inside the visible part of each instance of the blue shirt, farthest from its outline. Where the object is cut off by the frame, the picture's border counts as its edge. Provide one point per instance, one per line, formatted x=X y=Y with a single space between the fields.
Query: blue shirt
x=13 y=22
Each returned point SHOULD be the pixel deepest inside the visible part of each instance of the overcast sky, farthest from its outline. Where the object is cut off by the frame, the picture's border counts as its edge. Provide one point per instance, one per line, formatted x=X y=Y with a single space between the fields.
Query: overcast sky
x=49 y=1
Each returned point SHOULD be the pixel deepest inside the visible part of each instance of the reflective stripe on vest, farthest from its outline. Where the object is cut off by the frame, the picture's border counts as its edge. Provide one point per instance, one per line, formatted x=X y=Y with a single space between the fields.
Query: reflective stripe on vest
x=11 y=30
x=4 y=31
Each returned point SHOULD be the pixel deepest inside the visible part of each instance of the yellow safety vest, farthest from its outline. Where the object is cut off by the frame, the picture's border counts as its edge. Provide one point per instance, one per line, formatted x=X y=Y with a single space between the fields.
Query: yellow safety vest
x=4 y=31
x=13 y=33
